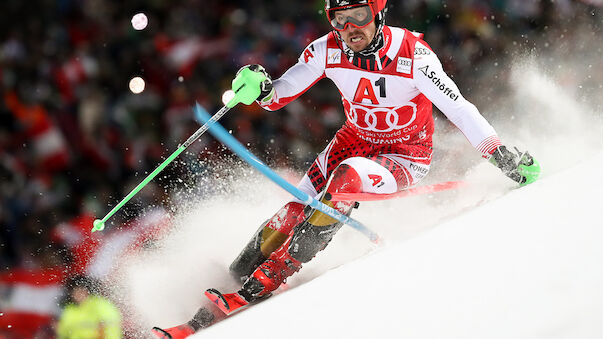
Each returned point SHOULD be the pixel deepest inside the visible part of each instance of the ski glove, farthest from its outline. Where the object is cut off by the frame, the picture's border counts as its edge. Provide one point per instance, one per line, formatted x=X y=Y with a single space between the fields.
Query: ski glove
x=252 y=83
x=521 y=167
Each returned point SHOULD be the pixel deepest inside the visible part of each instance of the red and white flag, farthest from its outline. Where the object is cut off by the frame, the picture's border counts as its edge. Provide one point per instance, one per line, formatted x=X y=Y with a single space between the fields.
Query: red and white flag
x=29 y=300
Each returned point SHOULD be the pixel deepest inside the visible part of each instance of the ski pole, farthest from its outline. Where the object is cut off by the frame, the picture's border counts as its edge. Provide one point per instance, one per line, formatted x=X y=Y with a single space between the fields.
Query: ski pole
x=99 y=224
x=240 y=93
x=221 y=134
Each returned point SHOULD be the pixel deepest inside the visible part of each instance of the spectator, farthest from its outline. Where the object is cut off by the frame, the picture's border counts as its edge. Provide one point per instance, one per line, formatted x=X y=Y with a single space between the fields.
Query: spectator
x=87 y=314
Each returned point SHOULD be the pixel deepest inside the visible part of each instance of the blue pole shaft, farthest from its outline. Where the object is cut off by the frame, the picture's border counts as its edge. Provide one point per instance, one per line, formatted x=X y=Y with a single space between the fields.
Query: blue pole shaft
x=221 y=134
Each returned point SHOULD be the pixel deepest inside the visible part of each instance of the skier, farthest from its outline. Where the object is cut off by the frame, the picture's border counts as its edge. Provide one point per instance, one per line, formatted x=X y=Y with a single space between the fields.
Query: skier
x=388 y=78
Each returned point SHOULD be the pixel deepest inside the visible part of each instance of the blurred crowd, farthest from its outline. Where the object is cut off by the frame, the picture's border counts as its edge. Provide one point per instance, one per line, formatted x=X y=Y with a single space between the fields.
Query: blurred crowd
x=74 y=139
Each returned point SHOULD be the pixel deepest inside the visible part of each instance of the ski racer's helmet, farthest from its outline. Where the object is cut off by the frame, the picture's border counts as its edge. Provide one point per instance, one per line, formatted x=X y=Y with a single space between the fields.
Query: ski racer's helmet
x=377 y=10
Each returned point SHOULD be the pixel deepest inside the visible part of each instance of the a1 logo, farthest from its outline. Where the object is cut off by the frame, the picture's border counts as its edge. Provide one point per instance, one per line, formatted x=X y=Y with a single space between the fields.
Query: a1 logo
x=365 y=90
x=377 y=180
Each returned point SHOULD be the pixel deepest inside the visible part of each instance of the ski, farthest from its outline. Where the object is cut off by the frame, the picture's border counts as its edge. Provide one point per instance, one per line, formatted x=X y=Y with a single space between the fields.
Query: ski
x=202 y=319
x=228 y=303
x=178 y=332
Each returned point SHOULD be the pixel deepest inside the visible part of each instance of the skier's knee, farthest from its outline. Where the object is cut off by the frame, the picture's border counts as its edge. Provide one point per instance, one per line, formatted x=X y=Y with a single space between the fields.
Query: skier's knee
x=344 y=179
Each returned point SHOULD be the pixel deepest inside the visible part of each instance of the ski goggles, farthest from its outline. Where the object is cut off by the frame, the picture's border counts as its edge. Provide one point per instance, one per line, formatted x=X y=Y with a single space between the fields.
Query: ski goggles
x=359 y=16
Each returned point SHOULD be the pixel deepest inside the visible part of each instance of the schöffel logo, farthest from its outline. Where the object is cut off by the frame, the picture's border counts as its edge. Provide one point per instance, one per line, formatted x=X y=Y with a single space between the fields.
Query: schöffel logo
x=438 y=82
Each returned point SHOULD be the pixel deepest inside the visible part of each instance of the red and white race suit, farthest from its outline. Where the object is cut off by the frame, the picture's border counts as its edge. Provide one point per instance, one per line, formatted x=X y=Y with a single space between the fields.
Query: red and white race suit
x=388 y=106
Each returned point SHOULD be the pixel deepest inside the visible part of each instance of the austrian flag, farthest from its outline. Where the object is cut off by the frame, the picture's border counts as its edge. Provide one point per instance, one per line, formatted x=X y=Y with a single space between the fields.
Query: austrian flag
x=29 y=300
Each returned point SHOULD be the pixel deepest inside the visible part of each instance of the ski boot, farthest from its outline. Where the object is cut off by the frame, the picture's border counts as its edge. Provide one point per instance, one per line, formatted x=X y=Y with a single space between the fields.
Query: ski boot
x=263 y=281
x=269 y=237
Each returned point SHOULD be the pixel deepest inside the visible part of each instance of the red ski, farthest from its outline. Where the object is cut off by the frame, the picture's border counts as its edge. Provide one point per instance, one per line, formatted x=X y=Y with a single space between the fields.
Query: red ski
x=202 y=319
x=178 y=332
x=227 y=303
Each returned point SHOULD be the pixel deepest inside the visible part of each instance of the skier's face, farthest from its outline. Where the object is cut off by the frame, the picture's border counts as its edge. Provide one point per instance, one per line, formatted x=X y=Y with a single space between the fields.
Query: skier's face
x=358 y=38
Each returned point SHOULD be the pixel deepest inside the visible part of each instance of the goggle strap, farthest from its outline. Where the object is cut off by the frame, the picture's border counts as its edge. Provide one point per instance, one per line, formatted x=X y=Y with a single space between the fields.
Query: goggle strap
x=348 y=21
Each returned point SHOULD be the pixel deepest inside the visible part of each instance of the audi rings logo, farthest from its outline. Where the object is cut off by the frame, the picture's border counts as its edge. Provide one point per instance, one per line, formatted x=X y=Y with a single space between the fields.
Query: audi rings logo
x=380 y=119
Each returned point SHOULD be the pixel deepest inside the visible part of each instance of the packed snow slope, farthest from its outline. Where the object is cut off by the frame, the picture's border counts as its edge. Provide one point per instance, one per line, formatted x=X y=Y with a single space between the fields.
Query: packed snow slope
x=525 y=265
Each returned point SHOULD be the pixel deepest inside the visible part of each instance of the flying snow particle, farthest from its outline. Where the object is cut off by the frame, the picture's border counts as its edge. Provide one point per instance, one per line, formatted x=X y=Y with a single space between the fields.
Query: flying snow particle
x=137 y=85
x=139 y=21
x=227 y=96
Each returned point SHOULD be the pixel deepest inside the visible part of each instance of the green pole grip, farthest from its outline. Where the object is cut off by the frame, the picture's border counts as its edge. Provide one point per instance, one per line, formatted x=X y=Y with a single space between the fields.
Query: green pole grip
x=246 y=87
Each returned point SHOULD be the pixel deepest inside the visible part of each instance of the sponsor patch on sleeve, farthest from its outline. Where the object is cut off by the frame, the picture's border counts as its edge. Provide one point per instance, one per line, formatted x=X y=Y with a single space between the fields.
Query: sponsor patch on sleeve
x=333 y=56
